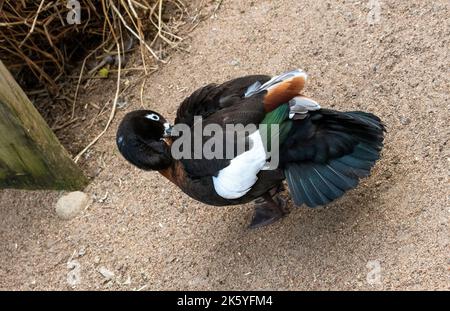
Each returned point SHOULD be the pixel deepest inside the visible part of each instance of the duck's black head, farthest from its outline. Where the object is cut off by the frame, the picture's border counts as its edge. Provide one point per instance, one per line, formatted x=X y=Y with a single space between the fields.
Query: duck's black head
x=140 y=139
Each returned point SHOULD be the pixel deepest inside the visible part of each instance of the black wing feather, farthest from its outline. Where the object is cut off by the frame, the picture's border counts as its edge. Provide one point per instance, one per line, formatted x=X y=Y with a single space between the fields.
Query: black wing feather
x=327 y=153
x=211 y=98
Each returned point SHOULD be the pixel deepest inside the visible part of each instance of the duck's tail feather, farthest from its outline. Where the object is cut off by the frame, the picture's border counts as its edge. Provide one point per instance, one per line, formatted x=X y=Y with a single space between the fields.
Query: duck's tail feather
x=316 y=184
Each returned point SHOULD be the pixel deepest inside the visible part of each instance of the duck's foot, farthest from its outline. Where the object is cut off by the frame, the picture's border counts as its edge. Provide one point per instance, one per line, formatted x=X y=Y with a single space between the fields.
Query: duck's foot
x=267 y=211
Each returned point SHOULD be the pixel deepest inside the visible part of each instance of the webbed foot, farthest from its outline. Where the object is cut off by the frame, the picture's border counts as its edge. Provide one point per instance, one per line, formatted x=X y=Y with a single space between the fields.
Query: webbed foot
x=267 y=211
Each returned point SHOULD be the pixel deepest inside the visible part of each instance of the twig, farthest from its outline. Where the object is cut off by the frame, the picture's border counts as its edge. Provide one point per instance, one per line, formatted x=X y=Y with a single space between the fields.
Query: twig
x=113 y=110
x=130 y=4
x=80 y=78
x=217 y=7
x=142 y=288
x=33 y=25
x=142 y=92
x=133 y=32
x=64 y=125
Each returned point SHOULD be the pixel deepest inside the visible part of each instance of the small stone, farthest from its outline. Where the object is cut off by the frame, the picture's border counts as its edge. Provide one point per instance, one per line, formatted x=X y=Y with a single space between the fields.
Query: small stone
x=97 y=260
x=70 y=205
x=235 y=62
x=395 y=161
x=127 y=281
x=82 y=251
x=349 y=16
x=405 y=121
x=107 y=274
x=121 y=102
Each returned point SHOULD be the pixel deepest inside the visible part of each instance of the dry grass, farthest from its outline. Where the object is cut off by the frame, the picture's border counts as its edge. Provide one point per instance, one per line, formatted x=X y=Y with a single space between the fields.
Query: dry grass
x=42 y=50
x=53 y=59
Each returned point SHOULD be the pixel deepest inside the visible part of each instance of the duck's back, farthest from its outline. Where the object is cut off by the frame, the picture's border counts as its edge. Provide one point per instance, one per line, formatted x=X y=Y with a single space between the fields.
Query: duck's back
x=225 y=181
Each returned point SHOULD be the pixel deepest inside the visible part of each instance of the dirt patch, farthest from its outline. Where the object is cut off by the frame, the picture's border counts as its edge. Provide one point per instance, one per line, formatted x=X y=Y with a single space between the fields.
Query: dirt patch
x=148 y=235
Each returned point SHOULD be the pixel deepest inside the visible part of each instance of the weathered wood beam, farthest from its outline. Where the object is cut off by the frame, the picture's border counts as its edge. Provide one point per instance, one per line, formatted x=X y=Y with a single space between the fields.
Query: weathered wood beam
x=31 y=156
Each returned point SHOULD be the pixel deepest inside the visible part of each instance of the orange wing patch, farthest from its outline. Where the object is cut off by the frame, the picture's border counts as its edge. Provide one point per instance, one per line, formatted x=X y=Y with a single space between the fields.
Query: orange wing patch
x=283 y=92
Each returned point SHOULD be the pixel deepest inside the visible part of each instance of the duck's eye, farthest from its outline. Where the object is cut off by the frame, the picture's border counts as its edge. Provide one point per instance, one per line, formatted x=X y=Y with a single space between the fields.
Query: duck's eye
x=152 y=116
x=120 y=139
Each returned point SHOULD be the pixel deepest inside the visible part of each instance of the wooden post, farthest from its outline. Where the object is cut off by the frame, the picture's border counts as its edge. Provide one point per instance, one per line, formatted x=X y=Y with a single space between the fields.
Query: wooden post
x=31 y=156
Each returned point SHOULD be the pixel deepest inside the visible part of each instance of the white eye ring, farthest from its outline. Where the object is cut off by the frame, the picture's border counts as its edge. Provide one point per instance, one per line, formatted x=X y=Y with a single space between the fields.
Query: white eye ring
x=152 y=116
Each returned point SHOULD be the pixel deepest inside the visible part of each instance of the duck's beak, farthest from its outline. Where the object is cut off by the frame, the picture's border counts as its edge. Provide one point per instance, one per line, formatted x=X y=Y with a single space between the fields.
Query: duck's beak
x=167 y=130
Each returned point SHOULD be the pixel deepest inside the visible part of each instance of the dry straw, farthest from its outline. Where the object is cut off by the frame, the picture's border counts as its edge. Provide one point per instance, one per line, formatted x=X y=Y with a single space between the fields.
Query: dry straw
x=42 y=49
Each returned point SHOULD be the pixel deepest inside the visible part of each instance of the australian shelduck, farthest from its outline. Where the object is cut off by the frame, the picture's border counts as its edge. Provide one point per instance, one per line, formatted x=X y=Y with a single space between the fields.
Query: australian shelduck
x=321 y=153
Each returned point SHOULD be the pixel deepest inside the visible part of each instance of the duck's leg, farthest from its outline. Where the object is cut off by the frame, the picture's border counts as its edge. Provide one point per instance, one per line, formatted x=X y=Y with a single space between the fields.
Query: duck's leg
x=267 y=210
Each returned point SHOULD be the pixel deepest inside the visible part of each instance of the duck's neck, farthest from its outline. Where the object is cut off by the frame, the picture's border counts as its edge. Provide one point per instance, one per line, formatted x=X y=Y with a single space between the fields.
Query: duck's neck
x=170 y=171
x=175 y=173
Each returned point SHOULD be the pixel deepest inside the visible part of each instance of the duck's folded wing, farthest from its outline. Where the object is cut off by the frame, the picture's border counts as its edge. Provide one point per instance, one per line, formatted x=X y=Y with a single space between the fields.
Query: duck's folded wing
x=218 y=105
x=244 y=101
x=211 y=98
x=228 y=129
x=328 y=152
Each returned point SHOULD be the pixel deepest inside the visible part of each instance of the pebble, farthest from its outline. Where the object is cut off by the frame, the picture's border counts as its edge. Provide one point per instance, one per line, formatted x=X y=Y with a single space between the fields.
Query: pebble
x=82 y=251
x=127 y=281
x=349 y=16
x=71 y=204
x=107 y=274
x=121 y=102
x=405 y=121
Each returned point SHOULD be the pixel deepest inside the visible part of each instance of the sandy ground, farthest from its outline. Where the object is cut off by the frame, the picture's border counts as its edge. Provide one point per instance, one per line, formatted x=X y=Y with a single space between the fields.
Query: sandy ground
x=392 y=232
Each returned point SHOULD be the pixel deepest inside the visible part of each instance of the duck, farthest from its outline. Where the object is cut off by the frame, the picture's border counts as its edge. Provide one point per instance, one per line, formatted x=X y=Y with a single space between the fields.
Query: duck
x=321 y=153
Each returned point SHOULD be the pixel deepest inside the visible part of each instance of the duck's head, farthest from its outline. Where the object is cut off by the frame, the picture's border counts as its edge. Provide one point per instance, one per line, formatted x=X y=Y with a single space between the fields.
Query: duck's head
x=141 y=139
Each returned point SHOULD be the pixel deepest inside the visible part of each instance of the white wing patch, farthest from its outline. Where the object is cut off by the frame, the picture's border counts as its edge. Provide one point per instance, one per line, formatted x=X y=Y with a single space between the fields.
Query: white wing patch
x=235 y=180
x=300 y=106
